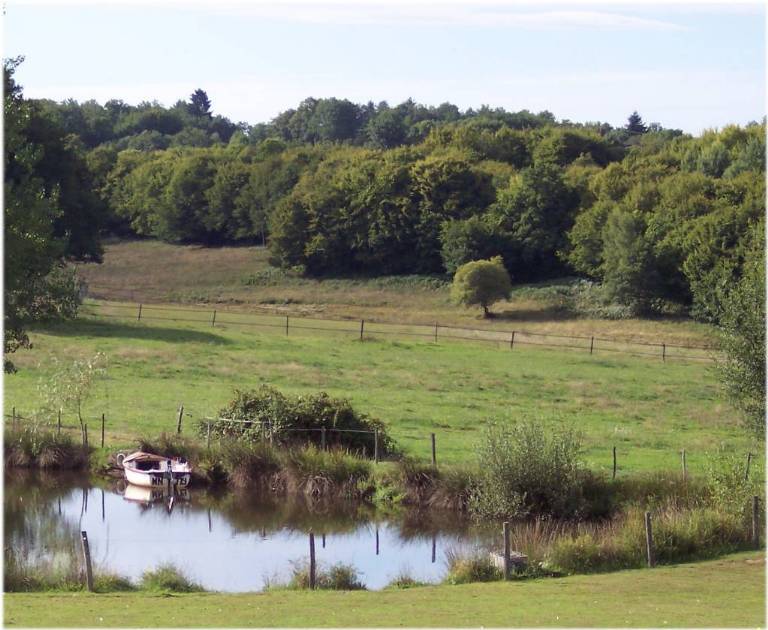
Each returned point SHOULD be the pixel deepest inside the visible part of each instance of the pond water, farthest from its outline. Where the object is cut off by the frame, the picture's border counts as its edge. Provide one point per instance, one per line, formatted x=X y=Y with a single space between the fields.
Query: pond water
x=227 y=541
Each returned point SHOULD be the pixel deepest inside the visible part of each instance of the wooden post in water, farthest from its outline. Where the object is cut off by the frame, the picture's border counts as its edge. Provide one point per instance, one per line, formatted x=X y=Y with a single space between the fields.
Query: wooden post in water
x=507 y=563
x=323 y=540
x=312 y=565
x=376 y=446
x=756 y=522
x=103 y=511
x=102 y=430
x=685 y=466
x=210 y=524
x=377 y=540
x=87 y=558
x=746 y=472
x=649 y=540
x=434 y=452
x=178 y=420
x=213 y=319
x=614 y=463
x=362 y=326
x=434 y=547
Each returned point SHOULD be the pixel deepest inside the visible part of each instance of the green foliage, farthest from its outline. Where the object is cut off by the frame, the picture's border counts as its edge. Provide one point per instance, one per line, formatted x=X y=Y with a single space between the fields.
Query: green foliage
x=467 y=567
x=730 y=489
x=481 y=282
x=70 y=385
x=168 y=578
x=34 y=445
x=526 y=468
x=742 y=341
x=337 y=577
x=463 y=241
x=269 y=414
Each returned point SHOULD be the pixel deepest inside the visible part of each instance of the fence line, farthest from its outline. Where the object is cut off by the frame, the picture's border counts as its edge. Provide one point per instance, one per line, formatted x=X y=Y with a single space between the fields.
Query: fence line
x=367 y=329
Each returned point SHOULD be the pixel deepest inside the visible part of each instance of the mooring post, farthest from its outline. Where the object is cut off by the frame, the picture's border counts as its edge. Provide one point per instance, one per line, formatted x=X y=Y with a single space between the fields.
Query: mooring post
x=139 y=317
x=178 y=421
x=746 y=472
x=103 y=420
x=87 y=558
x=434 y=548
x=434 y=451
x=312 y=565
x=376 y=446
x=756 y=522
x=322 y=438
x=377 y=540
x=649 y=540
x=507 y=561
x=685 y=466
x=362 y=326
x=614 y=463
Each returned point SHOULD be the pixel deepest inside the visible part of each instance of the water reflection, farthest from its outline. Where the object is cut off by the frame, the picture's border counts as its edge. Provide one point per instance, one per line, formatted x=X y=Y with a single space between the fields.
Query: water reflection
x=227 y=541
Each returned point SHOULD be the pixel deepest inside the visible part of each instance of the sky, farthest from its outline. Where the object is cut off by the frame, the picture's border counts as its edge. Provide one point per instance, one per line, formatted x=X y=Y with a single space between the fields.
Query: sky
x=690 y=66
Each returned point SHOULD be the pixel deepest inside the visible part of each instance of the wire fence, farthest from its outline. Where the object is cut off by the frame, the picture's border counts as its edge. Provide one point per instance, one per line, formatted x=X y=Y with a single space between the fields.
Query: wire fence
x=366 y=329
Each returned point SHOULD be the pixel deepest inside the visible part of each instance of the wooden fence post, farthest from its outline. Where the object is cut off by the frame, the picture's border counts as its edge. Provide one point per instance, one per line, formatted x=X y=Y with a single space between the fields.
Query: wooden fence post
x=58 y=425
x=649 y=540
x=87 y=558
x=746 y=472
x=756 y=522
x=507 y=562
x=376 y=446
x=435 y=332
x=591 y=345
x=322 y=438
x=213 y=320
x=13 y=418
x=512 y=341
x=614 y=463
x=102 y=430
x=434 y=451
x=312 y=565
x=664 y=352
x=362 y=326
x=208 y=435
x=139 y=317
x=286 y=325
x=178 y=421
x=685 y=466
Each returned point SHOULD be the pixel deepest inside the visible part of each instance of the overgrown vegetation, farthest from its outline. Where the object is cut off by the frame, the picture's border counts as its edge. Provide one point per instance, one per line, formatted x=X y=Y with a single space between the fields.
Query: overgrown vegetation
x=168 y=577
x=470 y=566
x=336 y=577
x=36 y=445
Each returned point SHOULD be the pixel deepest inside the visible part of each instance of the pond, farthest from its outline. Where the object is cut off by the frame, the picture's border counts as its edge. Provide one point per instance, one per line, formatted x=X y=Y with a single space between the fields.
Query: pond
x=227 y=541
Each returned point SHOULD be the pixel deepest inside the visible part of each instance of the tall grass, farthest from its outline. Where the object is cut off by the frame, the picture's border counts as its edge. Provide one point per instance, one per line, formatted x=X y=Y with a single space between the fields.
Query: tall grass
x=168 y=577
x=36 y=446
x=470 y=566
x=337 y=577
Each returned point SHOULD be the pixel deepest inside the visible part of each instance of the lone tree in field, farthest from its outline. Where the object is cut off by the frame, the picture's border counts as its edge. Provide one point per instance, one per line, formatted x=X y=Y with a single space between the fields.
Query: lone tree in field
x=481 y=282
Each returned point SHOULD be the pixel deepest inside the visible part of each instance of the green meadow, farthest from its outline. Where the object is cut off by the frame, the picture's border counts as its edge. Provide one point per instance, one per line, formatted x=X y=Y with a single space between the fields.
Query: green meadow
x=647 y=409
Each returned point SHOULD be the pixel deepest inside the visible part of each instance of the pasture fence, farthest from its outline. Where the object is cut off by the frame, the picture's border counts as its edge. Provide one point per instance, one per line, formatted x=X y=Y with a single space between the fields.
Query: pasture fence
x=366 y=329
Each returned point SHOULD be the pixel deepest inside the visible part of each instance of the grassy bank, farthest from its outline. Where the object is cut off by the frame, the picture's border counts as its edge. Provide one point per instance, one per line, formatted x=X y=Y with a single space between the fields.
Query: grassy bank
x=241 y=277
x=648 y=410
x=729 y=592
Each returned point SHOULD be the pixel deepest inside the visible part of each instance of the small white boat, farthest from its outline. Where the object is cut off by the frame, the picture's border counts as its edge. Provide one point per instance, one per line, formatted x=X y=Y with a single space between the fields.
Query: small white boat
x=155 y=471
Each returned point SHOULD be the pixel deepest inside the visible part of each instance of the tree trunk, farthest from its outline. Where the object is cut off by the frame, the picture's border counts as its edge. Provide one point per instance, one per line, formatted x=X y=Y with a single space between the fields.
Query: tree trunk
x=486 y=312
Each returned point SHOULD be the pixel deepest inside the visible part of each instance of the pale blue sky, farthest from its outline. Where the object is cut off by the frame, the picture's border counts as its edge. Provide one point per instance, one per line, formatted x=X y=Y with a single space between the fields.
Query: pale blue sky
x=686 y=66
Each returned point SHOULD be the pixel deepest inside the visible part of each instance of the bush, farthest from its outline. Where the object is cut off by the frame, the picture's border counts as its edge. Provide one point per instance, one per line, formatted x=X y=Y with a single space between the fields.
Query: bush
x=338 y=577
x=464 y=568
x=269 y=414
x=168 y=577
x=728 y=489
x=526 y=470
x=404 y=580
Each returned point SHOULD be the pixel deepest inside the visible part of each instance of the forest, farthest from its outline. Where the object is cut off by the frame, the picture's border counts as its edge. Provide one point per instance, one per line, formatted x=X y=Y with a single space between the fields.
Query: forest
x=664 y=221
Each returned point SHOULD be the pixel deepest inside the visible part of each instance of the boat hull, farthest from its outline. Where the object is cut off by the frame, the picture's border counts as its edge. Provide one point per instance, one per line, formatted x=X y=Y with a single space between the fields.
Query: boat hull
x=155 y=479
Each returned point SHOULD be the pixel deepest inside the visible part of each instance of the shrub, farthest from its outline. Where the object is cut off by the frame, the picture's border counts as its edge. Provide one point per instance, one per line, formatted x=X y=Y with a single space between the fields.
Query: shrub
x=404 y=580
x=269 y=414
x=168 y=577
x=525 y=470
x=475 y=566
x=729 y=490
x=337 y=577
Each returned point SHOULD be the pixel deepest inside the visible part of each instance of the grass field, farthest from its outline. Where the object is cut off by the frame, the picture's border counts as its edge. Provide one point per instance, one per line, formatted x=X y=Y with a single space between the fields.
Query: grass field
x=729 y=592
x=649 y=410
x=241 y=277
